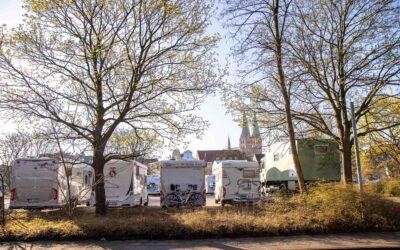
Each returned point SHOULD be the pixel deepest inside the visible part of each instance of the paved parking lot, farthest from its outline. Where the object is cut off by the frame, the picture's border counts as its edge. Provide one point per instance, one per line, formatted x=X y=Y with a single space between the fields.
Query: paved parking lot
x=154 y=201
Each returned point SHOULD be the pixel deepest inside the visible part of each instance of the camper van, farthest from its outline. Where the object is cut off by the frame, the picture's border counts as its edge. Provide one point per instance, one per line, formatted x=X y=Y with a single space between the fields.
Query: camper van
x=125 y=183
x=182 y=183
x=36 y=183
x=82 y=179
x=236 y=182
x=153 y=184
x=210 y=184
x=319 y=159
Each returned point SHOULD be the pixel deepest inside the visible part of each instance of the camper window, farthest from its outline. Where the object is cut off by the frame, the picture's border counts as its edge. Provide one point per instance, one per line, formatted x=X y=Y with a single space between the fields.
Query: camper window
x=276 y=157
x=249 y=174
x=86 y=180
x=137 y=170
x=320 y=149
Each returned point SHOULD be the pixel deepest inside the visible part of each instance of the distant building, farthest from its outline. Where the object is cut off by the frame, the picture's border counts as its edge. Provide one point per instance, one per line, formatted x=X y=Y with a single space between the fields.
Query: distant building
x=250 y=141
x=187 y=156
x=210 y=156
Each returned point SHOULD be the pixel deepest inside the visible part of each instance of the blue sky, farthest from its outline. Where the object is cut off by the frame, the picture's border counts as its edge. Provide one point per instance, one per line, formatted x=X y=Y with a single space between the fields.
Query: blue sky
x=221 y=124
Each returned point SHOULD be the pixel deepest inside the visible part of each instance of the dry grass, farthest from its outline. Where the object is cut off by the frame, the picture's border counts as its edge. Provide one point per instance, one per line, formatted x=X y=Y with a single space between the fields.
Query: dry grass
x=390 y=187
x=326 y=208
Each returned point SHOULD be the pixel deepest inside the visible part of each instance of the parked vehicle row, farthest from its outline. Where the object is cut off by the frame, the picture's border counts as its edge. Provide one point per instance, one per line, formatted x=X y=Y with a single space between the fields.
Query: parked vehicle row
x=42 y=182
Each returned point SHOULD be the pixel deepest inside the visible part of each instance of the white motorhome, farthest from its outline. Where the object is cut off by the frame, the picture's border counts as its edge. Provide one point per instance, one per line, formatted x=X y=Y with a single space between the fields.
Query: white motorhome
x=210 y=184
x=125 y=183
x=82 y=179
x=153 y=184
x=36 y=183
x=182 y=183
x=236 y=181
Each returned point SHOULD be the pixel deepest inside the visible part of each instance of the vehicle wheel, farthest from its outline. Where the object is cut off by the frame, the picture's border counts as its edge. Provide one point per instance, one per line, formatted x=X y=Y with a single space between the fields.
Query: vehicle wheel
x=216 y=201
x=147 y=202
x=196 y=200
x=283 y=188
x=172 y=200
x=223 y=203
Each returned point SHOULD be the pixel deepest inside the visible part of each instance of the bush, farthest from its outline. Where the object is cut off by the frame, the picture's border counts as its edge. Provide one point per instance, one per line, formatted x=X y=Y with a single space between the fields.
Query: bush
x=391 y=187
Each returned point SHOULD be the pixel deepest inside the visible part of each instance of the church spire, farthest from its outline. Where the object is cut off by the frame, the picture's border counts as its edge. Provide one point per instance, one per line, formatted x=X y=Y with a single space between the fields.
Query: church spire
x=229 y=143
x=256 y=130
x=245 y=126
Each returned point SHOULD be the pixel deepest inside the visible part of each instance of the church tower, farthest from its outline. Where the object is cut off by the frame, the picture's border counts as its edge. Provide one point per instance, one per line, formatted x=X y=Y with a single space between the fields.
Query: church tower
x=245 y=135
x=250 y=143
x=256 y=136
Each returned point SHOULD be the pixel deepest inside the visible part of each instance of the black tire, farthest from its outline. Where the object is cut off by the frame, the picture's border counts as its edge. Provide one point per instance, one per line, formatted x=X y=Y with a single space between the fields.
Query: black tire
x=172 y=200
x=223 y=203
x=147 y=202
x=283 y=188
x=196 y=200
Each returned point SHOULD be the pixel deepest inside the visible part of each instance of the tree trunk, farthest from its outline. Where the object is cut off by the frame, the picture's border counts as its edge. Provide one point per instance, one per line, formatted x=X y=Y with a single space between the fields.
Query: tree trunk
x=347 y=171
x=98 y=165
x=286 y=97
x=293 y=147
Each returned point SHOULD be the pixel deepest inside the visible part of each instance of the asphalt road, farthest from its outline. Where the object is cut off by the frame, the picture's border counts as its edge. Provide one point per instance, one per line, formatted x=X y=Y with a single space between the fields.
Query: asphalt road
x=331 y=241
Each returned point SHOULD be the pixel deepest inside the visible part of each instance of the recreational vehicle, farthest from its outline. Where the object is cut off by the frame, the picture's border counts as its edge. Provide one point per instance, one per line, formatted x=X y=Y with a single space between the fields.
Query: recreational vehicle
x=236 y=182
x=125 y=183
x=153 y=184
x=210 y=184
x=319 y=159
x=36 y=183
x=182 y=183
x=81 y=180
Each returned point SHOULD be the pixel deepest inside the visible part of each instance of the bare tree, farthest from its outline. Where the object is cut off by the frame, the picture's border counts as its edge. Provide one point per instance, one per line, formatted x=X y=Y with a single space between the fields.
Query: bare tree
x=133 y=144
x=348 y=49
x=92 y=66
x=12 y=146
x=260 y=28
